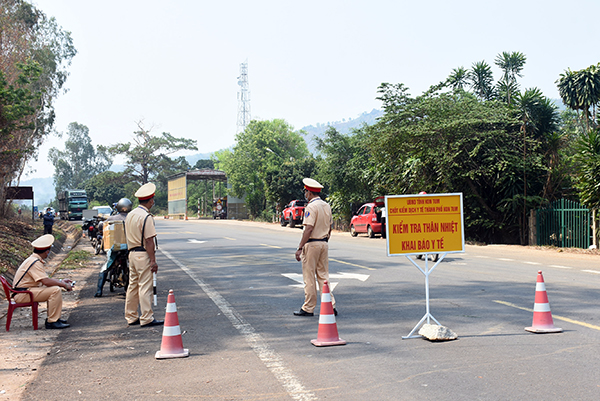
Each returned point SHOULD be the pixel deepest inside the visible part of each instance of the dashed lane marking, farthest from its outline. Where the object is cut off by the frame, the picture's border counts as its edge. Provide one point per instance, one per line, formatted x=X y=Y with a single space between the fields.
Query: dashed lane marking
x=351 y=264
x=561 y=267
x=564 y=319
x=591 y=271
x=532 y=263
x=271 y=246
x=230 y=239
x=266 y=354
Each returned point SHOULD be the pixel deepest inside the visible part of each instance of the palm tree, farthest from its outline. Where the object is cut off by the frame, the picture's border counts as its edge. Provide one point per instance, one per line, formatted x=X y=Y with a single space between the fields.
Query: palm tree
x=481 y=78
x=580 y=90
x=511 y=65
x=458 y=79
x=587 y=87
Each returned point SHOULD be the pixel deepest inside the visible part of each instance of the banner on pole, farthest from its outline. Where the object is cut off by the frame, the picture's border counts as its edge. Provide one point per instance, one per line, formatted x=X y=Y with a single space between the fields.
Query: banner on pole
x=428 y=223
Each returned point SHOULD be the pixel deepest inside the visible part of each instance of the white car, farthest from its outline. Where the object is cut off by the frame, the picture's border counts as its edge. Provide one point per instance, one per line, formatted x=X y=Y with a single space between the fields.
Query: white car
x=103 y=211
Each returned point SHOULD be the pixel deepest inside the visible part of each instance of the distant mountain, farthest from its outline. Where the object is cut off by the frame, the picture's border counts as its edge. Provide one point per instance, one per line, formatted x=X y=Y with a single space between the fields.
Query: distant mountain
x=43 y=190
x=344 y=126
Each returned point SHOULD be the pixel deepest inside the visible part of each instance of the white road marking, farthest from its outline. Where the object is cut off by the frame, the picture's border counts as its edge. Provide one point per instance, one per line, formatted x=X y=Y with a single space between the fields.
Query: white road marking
x=351 y=264
x=195 y=241
x=230 y=239
x=297 y=277
x=271 y=246
x=591 y=271
x=561 y=267
x=266 y=354
x=532 y=263
x=506 y=260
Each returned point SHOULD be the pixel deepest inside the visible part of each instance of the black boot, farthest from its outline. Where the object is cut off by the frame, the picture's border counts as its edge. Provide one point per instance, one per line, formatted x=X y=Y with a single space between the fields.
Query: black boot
x=101 y=281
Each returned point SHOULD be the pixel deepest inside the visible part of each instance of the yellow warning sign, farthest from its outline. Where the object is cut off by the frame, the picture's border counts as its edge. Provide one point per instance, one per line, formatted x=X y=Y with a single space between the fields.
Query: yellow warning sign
x=430 y=223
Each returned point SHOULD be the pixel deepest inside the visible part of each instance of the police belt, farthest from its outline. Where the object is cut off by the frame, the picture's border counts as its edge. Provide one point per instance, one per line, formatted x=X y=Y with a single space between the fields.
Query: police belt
x=138 y=249
x=326 y=239
x=21 y=289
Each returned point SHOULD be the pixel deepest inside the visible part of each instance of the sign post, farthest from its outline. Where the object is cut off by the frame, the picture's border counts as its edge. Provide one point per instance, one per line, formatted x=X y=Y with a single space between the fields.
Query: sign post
x=424 y=224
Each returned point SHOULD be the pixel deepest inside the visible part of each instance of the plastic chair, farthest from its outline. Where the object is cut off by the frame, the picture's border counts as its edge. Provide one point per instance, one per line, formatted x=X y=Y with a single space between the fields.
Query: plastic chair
x=12 y=305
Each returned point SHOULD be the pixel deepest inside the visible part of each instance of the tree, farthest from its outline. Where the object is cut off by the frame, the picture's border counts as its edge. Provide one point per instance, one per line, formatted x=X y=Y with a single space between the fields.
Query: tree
x=587 y=159
x=34 y=56
x=263 y=147
x=108 y=187
x=454 y=142
x=458 y=79
x=146 y=157
x=203 y=163
x=511 y=65
x=580 y=90
x=482 y=79
x=355 y=182
x=80 y=161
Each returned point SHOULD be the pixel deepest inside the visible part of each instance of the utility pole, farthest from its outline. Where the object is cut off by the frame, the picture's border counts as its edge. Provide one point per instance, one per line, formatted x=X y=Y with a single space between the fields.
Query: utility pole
x=243 y=117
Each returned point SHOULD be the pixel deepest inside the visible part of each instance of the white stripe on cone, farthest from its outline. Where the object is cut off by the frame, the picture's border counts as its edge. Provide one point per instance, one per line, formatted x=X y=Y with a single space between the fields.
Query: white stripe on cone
x=172 y=344
x=542 y=317
x=328 y=334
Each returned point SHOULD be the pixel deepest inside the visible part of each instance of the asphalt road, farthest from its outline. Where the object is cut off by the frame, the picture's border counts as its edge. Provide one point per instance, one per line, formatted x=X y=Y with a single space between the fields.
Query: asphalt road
x=236 y=287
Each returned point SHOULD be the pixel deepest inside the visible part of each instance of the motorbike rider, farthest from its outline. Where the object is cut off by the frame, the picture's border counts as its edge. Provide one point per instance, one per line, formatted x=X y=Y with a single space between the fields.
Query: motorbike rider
x=123 y=207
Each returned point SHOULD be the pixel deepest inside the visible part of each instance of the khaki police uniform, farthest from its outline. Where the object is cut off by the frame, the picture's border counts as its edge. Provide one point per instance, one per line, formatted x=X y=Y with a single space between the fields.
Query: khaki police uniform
x=315 y=253
x=139 y=291
x=32 y=282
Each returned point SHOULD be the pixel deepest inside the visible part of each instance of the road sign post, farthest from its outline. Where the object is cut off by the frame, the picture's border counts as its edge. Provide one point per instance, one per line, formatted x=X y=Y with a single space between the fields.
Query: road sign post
x=424 y=224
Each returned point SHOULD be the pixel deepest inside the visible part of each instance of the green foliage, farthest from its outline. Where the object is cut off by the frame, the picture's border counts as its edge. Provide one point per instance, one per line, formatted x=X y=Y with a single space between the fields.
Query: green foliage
x=76 y=259
x=108 y=187
x=453 y=142
x=80 y=161
x=202 y=164
x=147 y=157
x=587 y=159
x=355 y=183
x=34 y=55
x=260 y=151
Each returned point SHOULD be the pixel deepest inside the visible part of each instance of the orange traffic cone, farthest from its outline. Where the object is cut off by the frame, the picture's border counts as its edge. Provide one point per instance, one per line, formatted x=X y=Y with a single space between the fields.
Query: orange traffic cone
x=542 y=317
x=172 y=345
x=328 y=333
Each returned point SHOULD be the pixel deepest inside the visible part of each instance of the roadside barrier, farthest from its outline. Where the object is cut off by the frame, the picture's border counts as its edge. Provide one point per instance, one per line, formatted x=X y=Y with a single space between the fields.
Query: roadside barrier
x=172 y=344
x=328 y=332
x=542 y=317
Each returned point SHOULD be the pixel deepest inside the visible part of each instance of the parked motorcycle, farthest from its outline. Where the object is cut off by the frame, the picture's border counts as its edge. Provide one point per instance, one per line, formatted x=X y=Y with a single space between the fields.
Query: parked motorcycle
x=434 y=257
x=118 y=274
x=99 y=244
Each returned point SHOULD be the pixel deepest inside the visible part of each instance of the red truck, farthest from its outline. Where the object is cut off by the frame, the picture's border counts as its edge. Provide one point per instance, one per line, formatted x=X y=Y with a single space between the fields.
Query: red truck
x=293 y=213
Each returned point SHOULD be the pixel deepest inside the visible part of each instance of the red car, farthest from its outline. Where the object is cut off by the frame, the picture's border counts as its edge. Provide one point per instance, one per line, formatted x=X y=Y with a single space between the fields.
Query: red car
x=293 y=213
x=368 y=219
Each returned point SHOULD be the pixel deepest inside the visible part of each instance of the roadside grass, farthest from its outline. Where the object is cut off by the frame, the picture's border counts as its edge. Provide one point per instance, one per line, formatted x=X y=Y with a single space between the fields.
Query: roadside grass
x=76 y=259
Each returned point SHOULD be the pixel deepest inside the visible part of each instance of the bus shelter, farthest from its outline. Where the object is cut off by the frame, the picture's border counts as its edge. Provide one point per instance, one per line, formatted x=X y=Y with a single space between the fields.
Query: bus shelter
x=177 y=188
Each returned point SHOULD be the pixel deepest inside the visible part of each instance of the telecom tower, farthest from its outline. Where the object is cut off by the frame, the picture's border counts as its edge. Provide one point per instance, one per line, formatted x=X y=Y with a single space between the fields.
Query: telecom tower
x=243 y=117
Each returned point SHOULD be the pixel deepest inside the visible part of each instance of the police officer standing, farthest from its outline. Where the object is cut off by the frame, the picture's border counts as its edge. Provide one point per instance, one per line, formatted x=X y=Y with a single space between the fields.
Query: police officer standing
x=48 y=221
x=141 y=235
x=313 y=249
x=32 y=276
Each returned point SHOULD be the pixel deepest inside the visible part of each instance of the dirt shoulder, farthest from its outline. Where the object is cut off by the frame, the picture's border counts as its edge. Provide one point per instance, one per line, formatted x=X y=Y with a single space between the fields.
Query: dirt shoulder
x=23 y=349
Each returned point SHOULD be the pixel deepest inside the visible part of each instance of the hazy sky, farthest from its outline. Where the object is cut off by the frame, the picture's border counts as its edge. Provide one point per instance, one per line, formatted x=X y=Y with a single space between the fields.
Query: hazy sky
x=174 y=64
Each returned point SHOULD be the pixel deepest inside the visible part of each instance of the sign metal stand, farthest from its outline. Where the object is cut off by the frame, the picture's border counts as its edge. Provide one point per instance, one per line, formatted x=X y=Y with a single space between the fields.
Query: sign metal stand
x=424 y=224
x=426 y=272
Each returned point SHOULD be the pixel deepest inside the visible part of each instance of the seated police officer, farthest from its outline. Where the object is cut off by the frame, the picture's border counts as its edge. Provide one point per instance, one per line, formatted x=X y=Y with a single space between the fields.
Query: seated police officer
x=31 y=276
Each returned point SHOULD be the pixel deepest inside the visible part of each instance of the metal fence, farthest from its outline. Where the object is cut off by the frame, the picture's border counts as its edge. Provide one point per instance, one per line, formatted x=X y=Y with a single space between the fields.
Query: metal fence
x=564 y=224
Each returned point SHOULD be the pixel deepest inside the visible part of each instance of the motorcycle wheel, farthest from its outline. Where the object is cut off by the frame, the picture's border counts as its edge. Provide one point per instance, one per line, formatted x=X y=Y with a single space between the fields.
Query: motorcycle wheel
x=99 y=246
